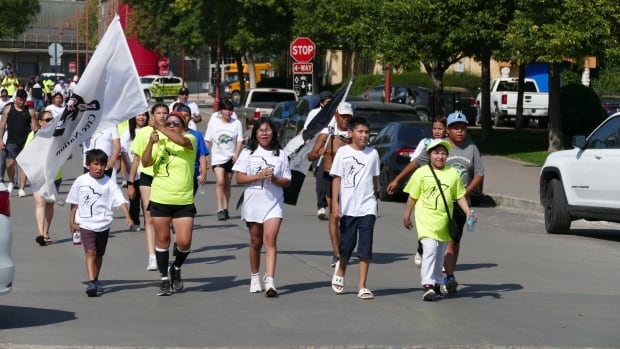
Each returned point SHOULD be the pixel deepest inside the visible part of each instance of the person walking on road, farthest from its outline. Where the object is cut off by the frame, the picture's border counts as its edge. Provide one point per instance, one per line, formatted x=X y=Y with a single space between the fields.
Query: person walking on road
x=264 y=169
x=172 y=196
x=465 y=158
x=18 y=119
x=183 y=98
x=92 y=197
x=321 y=185
x=159 y=112
x=354 y=202
x=135 y=199
x=439 y=130
x=201 y=165
x=43 y=210
x=224 y=138
x=431 y=218
x=329 y=140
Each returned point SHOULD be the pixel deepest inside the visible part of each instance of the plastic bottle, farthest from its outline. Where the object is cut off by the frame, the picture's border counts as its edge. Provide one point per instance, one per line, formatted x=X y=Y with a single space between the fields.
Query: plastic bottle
x=471 y=221
x=77 y=238
x=201 y=189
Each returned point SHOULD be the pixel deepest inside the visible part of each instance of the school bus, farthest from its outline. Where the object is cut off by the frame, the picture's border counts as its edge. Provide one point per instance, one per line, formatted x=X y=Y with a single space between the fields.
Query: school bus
x=231 y=78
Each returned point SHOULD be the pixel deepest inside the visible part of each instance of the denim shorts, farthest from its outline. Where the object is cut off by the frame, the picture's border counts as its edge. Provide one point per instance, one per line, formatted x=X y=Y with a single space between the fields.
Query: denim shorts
x=12 y=150
x=350 y=228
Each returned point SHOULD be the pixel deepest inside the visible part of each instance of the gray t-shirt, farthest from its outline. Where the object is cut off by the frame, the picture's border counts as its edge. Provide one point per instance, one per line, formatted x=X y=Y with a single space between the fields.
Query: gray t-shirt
x=465 y=159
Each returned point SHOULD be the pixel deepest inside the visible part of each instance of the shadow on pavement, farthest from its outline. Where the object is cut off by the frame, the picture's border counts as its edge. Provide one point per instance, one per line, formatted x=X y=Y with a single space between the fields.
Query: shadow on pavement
x=602 y=234
x=21 y=317
x=463 y=267
x=485 y=291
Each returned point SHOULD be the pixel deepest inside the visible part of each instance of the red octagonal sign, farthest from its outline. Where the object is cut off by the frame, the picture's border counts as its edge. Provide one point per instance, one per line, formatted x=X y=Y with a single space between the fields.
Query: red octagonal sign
x=302 y=50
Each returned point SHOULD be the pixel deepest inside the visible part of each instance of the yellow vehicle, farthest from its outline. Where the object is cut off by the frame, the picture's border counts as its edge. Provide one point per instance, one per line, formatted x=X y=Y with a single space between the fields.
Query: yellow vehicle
x=231 y=78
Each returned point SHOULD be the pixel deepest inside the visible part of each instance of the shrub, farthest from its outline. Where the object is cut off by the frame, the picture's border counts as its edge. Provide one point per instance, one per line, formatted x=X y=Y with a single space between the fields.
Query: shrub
x=581 y=110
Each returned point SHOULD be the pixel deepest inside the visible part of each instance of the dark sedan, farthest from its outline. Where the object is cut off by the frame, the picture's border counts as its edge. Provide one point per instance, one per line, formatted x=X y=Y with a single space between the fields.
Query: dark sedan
x=611 y=104
x=289 y=117
x=395 y=143
x=380 y=114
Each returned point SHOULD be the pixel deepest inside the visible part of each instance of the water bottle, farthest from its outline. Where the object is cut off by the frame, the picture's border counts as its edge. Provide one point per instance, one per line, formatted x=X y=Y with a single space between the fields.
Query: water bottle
x=201 y=188
x=77 y=238
x=471 y=221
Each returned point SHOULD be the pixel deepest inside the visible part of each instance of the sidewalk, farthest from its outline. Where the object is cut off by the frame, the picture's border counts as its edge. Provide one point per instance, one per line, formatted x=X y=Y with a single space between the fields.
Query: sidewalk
x=511 y=183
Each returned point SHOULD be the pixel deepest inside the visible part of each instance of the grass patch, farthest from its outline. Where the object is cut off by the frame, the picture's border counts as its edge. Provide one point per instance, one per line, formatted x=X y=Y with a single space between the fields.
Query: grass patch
x=527 y=145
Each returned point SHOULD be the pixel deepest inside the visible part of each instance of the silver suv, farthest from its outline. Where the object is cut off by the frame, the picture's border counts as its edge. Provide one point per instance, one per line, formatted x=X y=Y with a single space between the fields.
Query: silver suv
x=582 y=183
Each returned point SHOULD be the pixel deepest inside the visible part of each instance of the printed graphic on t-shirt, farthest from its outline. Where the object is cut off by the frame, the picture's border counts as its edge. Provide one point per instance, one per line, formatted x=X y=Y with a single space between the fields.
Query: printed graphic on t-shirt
x=224 y=139
x=88 y=198
x=160 y=168
x=351 y=168
x=430 y=195
x=257 y=164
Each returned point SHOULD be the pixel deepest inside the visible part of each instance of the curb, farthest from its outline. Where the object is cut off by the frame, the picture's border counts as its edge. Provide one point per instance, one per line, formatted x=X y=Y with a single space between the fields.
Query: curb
x=513 y=202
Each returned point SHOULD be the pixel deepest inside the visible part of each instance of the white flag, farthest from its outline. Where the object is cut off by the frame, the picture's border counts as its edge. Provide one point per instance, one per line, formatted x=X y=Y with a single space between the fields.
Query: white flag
x=108 y=93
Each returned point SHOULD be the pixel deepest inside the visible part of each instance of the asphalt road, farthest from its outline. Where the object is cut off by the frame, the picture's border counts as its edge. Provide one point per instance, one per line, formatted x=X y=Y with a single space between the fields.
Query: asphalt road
x=519 y=287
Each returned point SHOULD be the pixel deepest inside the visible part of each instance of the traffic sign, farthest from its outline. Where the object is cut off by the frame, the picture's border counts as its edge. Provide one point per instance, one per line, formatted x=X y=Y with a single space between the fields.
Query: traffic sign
x=302 y=84
x=55 y=49
x=55 y=61
x=300 y=68
x=302 y=50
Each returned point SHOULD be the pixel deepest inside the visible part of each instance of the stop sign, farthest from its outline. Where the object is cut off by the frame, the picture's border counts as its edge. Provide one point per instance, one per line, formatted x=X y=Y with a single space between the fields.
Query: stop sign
x=302 y=50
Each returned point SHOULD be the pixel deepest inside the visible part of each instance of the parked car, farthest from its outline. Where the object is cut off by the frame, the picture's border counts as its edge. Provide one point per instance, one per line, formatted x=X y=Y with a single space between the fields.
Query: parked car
x=395 y=143
x=55 y=77
x=161 y=87
x=418 y=97
x=380 y=114
x=459 y=98
x=290 y=116
x=611 y=104
x=582 y=183
x=7 y=267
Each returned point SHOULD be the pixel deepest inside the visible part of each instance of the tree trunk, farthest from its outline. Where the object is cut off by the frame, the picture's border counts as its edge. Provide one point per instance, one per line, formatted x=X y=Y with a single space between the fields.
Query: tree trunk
x=485 y=98
x=249 y=57
x=436 y=72
x=519 y=124
x=555 y=118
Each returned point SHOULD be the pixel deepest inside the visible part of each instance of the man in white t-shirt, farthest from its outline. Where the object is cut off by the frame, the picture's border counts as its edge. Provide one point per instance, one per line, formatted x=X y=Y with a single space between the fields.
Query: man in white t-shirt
x=195 y=111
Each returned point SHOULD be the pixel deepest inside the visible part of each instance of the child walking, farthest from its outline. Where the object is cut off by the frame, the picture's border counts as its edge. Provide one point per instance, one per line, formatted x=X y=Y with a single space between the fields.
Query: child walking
x=431 y=218
x=92 y=197
x=355 y=172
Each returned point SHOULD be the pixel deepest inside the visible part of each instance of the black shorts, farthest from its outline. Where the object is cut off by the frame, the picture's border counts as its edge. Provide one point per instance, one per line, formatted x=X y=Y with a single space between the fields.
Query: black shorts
x=460 y=218
x=145 y=180
x=173 y=211
x=12 y=150
x=353 y=227
x=95 y=240
x=328 y=179
x=227 y=166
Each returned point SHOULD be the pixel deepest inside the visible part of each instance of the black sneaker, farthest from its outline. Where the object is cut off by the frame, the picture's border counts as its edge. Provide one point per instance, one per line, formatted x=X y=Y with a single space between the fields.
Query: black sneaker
x=226 y=216
x=438 y=294
x=91 y=289
x=221 y=216
x=175 y=276
x=429 y=293
x=40 y=240
x=164 y=289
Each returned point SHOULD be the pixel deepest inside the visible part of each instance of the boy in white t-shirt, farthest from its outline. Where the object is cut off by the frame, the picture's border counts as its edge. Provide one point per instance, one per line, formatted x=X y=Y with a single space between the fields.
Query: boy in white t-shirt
x=355 y=172
x=92 y=197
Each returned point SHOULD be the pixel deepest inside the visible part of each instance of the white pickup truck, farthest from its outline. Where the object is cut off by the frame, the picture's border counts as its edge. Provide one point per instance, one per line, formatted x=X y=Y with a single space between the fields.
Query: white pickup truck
x=258 y=102
x=504 y=102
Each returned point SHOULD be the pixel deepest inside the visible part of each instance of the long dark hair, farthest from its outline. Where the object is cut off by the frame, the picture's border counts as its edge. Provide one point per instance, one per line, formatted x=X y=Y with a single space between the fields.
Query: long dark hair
x=253 y=142
x=132 y=125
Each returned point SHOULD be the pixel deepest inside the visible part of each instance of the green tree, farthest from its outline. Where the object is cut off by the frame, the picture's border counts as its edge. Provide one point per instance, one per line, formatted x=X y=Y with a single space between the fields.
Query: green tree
x=552 y=31
x=18 y=15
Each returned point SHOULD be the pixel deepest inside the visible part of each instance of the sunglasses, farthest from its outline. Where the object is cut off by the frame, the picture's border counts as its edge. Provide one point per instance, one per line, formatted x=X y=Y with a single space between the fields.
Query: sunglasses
x=173 y=123
x=47 y=120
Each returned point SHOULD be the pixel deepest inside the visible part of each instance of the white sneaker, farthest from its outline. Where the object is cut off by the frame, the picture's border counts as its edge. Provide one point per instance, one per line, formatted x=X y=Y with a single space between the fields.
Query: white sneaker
x=255 y=286
x=21 y=193
x=322 y=213
x=152 y=265
x=417 y=260
x=270 y=287
x=10 y=187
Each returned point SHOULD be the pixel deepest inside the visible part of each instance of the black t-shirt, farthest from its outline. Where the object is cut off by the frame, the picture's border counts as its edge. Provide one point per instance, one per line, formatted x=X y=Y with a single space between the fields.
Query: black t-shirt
x=18 y=125
x=37 y=89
